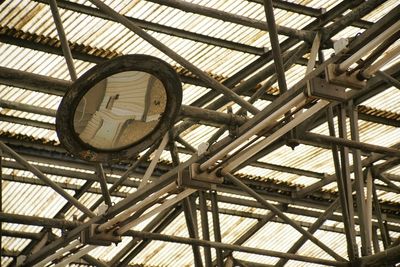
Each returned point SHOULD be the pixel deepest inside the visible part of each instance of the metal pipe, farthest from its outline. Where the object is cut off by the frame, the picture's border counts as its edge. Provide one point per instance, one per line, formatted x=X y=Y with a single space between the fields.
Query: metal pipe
x=280 y=214
x=154 y=211
x=342 y=195
x=388 y=79
x=342 y=67
x=154 y=161
x=142 y=193
x=254 y=130
x=75 y=256
x=385 y=258
x=363 y=8
x=205 y=243
x=63 y=39
x=244 y=155
x=173 y=55
x=46 y=180
x=27 y=108
x=369 y=200
x=127 y=213
x=378 y=51
x=60 y=252
x=212 y=116
x=353 y=144
x=378 y=214
x=389 y=55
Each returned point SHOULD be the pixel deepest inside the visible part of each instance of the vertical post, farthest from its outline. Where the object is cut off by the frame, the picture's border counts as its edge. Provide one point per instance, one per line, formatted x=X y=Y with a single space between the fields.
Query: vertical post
x=204 y=227
x=192 y=229
x=368 y=211
x=188 y=208
x=216 y=226
x=375 y=240
x=378 y=214
x=1 y=199
x=350 y=236
x=359 y=184
x=347 y=188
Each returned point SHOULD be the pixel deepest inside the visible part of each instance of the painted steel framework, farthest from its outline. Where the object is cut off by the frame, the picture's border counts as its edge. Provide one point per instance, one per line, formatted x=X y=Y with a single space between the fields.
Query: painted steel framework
x=356 y=197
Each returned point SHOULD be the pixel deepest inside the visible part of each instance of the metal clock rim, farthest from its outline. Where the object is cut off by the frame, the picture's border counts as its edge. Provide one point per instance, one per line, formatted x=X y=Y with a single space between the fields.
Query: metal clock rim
x=66 y=111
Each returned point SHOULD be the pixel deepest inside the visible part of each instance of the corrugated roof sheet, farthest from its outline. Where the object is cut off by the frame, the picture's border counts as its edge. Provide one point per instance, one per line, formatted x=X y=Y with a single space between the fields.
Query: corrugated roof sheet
x=31 y=22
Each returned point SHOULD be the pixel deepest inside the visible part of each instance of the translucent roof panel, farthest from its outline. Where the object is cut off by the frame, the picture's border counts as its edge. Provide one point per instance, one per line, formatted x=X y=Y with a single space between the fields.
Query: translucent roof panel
x=230 y=41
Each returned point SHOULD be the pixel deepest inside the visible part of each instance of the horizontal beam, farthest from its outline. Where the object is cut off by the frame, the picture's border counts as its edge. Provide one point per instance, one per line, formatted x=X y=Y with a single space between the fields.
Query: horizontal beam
x=241 y=20
x=147 y=25
x=65 y=186
x=270 y=187
x=350 y=143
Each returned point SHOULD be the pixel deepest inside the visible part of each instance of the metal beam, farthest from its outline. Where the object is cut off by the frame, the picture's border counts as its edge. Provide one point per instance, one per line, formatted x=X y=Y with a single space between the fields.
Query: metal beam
x=271 y=207
x=392 y=152
x=276 y=50
x=191 y=223
x=83 y=9
x=175 y=56
x=222 y=15
x=63 y=38
x=158 y=224
x=216 y=225
x=388 y=78
x=189 y=241
x=205 y=227
x=315 y=186
x=359 y=183
x=312 y=229
x=45 y=179
x=385 y=258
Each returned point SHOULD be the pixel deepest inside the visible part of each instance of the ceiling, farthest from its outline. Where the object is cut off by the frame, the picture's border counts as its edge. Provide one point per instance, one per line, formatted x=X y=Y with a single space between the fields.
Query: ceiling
x=217 y=47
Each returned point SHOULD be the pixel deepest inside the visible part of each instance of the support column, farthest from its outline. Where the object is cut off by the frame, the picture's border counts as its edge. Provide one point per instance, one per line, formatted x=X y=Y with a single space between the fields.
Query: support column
x=191 y=223
x=359 y=183
x=216 y=226
x=205 y=227
x=378 y=213
x=348 y=226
